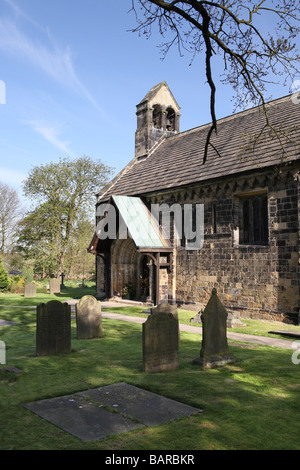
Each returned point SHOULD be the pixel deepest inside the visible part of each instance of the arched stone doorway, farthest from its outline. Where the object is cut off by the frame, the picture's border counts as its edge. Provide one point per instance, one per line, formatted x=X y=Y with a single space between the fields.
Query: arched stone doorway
x=133 y=274
x=125 y=261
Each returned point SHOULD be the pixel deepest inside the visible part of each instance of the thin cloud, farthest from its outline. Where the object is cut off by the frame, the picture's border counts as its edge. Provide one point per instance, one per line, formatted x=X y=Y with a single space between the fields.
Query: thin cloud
x=20 y=13
x=52 y=135
x=52 y=60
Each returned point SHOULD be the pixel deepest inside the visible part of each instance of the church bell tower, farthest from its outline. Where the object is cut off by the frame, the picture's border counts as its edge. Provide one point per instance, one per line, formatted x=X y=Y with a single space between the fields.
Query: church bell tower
x=158 y=116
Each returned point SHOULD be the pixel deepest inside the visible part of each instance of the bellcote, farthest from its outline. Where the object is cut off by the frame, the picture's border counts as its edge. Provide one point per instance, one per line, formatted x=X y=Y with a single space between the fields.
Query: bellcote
x=158 y=115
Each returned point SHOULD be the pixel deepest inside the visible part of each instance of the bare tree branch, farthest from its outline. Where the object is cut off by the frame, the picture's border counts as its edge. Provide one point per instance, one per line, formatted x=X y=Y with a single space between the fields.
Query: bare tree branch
x=252 y=57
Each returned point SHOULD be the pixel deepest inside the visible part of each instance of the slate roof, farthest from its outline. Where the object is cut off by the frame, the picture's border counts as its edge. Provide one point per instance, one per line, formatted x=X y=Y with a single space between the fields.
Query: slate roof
x=178 y=160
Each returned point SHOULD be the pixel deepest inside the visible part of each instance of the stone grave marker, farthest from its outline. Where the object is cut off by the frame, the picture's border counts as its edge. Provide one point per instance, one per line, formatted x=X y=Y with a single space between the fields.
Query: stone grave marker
x=30 y=289
x=53 y=328
x=88 y=318
x=233 y=319
x=62 y=286
x=161 y=339
x=167 y=308
x=54 y=286
x=214 y=350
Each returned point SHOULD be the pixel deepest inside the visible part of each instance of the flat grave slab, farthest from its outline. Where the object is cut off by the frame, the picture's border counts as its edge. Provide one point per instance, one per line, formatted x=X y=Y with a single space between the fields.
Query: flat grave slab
x=96 y=413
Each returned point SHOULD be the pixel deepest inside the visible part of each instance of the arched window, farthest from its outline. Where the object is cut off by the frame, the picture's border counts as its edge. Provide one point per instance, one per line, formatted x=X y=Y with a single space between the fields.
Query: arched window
x=170 y=124
x=156 y=116
x=255 y=220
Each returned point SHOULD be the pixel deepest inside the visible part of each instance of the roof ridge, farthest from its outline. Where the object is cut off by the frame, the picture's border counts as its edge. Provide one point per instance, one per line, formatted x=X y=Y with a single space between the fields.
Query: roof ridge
x=244 y=112
x=121 y=173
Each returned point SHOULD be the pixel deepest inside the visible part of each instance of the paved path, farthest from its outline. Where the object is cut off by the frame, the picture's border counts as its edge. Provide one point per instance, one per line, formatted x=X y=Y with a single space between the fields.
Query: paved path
x=260 y=340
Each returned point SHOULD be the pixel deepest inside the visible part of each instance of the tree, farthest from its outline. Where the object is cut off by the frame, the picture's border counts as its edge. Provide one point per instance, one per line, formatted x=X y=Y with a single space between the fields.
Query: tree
x=60 y=191
x=10 y=215
x=4 y=279
x=78 y=260
x=38 y=240
x=232 y=28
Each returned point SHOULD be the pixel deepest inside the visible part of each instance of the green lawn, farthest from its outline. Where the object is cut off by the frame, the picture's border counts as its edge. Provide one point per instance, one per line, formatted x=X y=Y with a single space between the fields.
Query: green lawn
x=252 y=404
x=252 y=327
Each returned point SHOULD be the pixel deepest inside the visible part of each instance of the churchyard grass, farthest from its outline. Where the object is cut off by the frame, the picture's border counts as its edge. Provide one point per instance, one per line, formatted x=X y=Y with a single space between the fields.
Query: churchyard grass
x=251 y=404
x=251 y=327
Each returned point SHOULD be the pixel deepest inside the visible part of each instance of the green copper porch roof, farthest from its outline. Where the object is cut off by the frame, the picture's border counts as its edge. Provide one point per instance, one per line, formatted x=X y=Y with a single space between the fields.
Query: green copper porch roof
x=143 y=228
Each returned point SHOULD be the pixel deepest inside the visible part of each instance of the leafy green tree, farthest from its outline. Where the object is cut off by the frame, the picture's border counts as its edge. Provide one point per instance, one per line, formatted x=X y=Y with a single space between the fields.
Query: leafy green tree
x=78 y=260
x=60 y=191
x=27 y=273
x=38 y=240
x=4 y=279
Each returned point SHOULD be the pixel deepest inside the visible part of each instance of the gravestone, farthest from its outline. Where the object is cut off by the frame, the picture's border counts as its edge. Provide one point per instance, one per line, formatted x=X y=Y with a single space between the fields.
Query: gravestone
x=30 y=290
x=53 y=328
x=233 y=319
x=62 y=286
x=166 y=308
x=161 y=339
x=88 y=318
x=54 y=286
x=214 y=351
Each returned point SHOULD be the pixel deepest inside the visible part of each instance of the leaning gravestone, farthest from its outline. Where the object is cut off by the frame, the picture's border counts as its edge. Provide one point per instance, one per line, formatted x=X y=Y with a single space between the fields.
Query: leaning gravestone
x=88 y=318
x=214 y=351
x=53 y=328
x=30 y=290
x=161 y=339
x=54 y=286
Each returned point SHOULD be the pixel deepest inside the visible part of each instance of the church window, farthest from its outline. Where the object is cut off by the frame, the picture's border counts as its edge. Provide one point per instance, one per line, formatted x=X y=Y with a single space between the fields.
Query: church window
x=156 y=117
x=170 y=119
x=254 y=223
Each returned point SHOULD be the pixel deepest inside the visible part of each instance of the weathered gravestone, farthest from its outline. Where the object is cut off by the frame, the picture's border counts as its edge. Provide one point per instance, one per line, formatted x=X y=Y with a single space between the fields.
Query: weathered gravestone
x=88 y=318
x=53 y=328
x=165 y=307
x=233 y=319
x=214 y=351
x=54 y=286
x=30 y=290
x=161 y=339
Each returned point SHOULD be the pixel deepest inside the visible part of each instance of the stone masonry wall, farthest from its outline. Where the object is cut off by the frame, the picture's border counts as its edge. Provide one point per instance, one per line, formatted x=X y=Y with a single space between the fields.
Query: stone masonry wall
x=260 y=281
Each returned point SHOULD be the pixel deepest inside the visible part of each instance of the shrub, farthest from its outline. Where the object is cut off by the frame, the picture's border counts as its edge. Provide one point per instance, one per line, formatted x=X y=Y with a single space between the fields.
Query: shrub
x=4 y=278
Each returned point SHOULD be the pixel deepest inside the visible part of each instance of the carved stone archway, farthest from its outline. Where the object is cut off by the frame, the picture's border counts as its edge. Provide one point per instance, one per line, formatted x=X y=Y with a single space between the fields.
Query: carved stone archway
x=125 y=268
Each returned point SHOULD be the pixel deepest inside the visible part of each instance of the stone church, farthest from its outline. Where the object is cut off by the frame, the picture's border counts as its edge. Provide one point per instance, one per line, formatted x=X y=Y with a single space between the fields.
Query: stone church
x=248 y=195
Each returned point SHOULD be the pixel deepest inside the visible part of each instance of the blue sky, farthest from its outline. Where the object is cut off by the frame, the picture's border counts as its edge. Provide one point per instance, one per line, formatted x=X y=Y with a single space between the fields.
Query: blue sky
x=73 y=75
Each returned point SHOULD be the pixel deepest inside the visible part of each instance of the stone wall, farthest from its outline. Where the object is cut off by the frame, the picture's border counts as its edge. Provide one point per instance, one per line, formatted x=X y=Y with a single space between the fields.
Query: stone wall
x=261 y=281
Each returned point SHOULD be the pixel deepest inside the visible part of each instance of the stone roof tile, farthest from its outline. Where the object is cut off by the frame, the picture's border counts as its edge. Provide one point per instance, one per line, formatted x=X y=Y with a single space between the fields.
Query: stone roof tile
x=178 y=161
